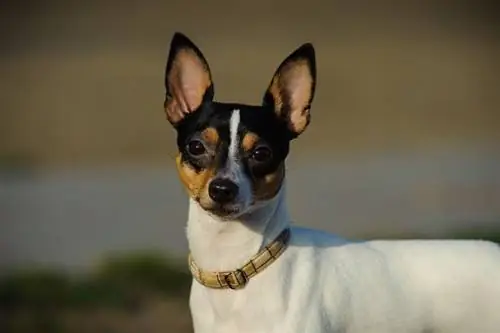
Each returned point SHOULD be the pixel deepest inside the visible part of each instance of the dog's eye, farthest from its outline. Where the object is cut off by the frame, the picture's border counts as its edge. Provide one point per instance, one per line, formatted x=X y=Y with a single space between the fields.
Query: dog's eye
x=261 y=154
x=196 y=148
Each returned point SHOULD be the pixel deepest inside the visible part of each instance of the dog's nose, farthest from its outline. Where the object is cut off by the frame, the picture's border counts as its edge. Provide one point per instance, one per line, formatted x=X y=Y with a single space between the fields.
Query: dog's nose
x=222 y=190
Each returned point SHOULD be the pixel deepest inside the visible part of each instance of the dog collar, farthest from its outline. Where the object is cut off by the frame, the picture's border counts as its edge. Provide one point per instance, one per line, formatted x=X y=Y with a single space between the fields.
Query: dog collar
x=238 y=279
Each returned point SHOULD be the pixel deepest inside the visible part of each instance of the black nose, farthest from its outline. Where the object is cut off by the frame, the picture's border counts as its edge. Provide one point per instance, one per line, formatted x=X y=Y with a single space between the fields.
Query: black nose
x=222 y=190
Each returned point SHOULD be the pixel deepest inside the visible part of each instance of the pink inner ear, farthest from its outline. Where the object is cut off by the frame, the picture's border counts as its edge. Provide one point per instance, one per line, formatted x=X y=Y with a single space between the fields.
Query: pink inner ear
x=194 y=82
x=188 y=81
x=296 y=83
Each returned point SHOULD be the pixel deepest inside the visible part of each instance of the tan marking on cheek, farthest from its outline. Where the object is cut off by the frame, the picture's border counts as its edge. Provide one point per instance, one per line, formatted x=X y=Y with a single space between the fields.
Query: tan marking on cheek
x=249 y=141
x=194 y=181
x=267 y=187
x=210 y=136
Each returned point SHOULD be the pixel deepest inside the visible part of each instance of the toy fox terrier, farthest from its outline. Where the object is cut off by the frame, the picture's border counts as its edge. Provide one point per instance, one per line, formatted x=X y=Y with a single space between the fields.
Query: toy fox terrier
x=254 y=272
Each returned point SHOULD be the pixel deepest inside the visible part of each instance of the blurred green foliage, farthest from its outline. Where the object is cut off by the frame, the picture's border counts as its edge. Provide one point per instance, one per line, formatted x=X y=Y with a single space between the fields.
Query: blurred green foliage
x=36 y=300
x=125 y=280
x=120 y=280
x=15 y=162
x=478 y=233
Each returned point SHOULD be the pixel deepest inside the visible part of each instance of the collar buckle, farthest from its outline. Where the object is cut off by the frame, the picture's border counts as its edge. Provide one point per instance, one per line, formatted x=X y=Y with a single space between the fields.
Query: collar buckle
x=239 y=277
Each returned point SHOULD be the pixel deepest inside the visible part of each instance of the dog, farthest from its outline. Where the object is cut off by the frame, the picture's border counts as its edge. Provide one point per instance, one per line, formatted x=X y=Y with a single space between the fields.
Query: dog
x=254 y=272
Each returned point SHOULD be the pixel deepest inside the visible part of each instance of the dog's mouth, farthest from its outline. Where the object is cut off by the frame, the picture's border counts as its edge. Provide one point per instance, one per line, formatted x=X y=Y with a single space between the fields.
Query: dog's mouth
x=224 y=211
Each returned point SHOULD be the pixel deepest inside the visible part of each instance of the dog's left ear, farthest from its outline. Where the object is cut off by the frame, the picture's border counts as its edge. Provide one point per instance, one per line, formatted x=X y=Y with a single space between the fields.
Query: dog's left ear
x=188 y=81
x=291 y=90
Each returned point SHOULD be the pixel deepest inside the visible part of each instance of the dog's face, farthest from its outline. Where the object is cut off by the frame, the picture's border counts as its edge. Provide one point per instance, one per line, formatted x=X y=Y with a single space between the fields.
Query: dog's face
x=231 y=156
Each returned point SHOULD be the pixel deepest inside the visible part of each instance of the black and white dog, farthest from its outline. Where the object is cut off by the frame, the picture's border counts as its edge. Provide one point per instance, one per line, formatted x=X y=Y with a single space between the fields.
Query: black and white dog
x=254 y=273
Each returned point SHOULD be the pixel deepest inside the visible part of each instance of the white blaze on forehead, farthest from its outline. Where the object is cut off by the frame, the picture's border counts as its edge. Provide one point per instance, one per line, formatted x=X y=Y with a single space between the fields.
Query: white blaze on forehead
x=234 y=169
x=234 y=123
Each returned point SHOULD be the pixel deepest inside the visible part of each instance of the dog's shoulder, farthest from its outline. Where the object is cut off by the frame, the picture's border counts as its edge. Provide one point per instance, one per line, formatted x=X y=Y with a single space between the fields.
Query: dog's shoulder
x=307 y=237
x=324 y=252
x=318 y=243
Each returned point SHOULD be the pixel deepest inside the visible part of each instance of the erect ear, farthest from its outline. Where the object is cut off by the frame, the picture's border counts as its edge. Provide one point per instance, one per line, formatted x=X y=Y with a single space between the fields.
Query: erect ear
x=291 y=90
x=188 y=81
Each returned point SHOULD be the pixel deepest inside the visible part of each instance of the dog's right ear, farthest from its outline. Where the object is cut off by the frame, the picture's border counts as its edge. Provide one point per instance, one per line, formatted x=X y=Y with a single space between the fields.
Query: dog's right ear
x=188 y=81
x=291 y=90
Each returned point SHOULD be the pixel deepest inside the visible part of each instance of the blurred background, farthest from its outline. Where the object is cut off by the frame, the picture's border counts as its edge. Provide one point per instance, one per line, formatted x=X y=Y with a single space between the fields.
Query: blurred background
x=404 y=140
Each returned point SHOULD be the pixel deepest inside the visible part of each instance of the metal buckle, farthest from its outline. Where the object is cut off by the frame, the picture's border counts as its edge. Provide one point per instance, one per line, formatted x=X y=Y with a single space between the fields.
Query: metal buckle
x=239 y=276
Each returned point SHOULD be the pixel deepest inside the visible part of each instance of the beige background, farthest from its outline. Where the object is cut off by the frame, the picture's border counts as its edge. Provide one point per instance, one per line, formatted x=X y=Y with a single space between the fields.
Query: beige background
x=404 y=139
x=82 y=82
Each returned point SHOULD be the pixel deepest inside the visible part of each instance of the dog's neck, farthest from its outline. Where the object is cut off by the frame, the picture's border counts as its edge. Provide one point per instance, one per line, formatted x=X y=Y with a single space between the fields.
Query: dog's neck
x=221 y=245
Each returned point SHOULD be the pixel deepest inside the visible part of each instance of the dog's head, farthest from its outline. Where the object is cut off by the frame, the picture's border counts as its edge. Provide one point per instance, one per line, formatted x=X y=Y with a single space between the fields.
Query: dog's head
x=231 y=156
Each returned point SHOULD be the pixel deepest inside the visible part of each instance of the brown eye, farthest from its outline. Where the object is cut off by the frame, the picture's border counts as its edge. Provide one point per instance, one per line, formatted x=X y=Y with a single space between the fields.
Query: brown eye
x=261 y=154
x=196 y=148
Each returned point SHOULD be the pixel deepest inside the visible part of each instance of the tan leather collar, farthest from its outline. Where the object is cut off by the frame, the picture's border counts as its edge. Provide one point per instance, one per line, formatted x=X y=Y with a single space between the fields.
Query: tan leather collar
x=239 y=278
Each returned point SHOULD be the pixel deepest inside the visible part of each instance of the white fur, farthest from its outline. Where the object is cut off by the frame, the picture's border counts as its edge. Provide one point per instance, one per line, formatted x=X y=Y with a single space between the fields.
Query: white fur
x=323 y=283
x=234 y=123
x=234 y=169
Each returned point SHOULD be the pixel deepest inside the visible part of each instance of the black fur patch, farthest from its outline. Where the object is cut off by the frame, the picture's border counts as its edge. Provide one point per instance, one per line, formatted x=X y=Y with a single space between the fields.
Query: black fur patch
x=259 y=120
